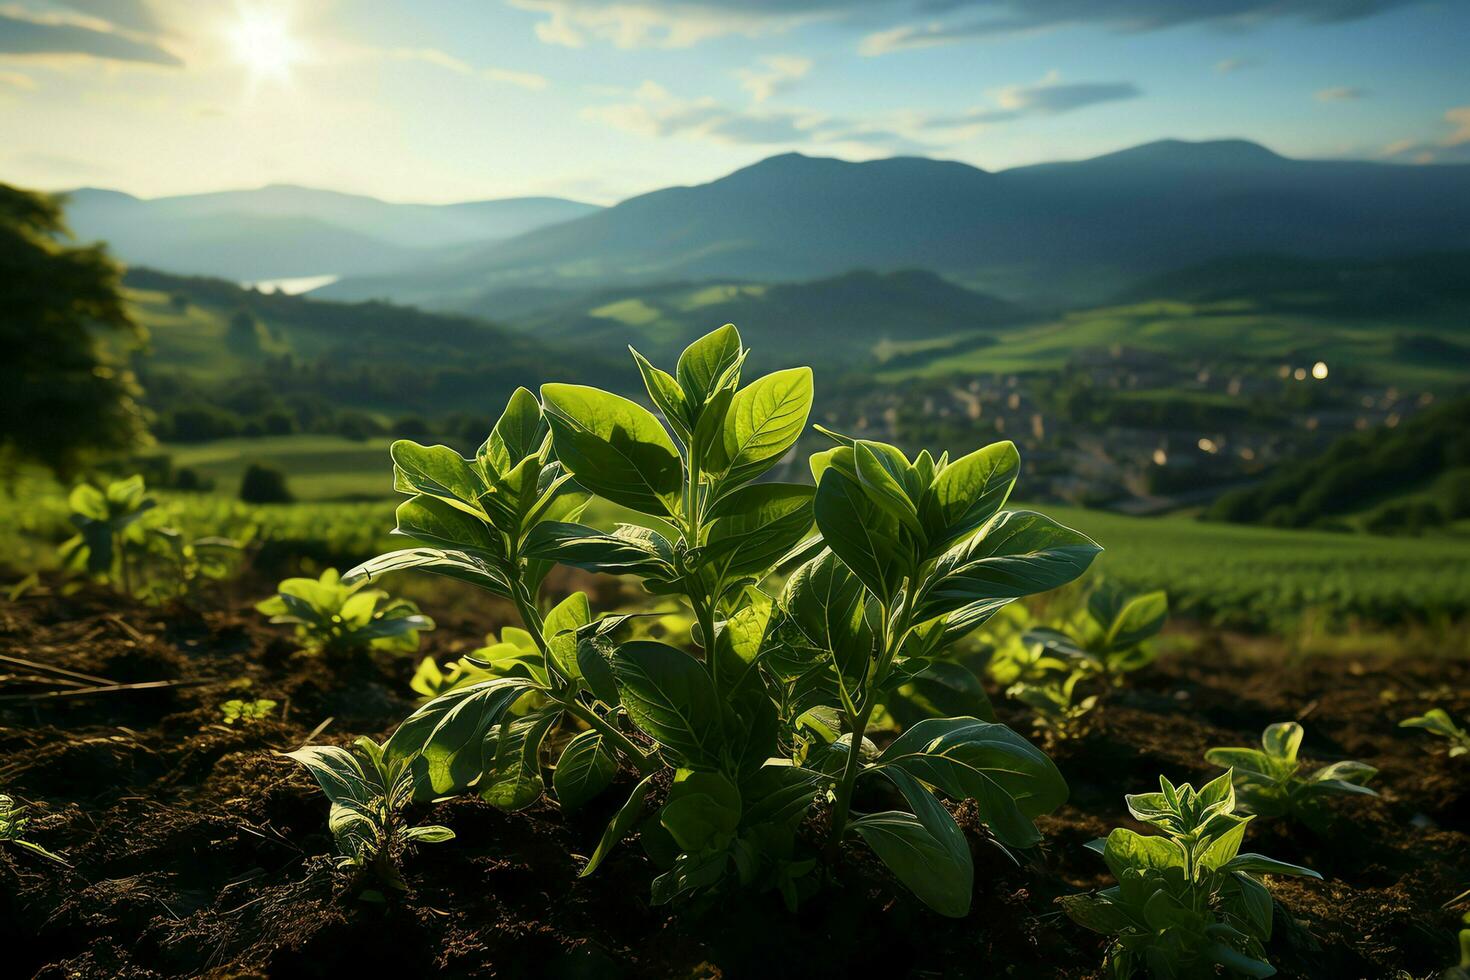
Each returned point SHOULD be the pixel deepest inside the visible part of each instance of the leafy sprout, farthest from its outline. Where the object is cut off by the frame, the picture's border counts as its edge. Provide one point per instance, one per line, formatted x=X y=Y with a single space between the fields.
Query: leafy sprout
x=1436 y=721
x=242 y=712
x=1187 y=903
x=367 y=795
x=333 y=617
x=13 y=824
x=1272 y=782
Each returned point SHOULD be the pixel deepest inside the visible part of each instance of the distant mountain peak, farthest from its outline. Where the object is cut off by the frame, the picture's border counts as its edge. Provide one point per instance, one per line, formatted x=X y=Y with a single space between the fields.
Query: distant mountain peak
x=1222 y=152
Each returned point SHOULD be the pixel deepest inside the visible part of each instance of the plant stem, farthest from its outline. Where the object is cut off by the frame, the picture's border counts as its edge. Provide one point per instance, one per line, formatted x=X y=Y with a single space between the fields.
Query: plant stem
x=565 y=693
x=893 y=634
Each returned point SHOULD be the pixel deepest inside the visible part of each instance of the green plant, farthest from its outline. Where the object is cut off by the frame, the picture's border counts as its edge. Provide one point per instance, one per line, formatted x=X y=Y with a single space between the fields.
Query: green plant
x=1269 y=781
x=750 y=713
x=368 y=794
x=334 y=617
x=1436 y=721
x=246 y=712
x=1110 y=634
x=1187 y=902
x=13 y=823
x=108 y=532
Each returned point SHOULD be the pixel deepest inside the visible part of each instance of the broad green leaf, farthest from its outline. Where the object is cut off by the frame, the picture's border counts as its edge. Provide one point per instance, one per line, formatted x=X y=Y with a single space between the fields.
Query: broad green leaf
x=703 y=810
x=754 y=526
x=666 y=394
x=444 y=741
x=704 y=362
x=517 y=435
x=778 y=794
x=1097 y=913
x=512 y=779
x=1223 y=848
x=1245 y=762
x=560 y=627
x=668 y=695
x=1139 y=618
x=631 y=552
x=1011 y=780
x=859 y=532
x=1262 y=865
x=930 y=867
x=451 y=564
x=890 y=481
x=437 y=471
x=970 y=491
x=620 y=825
x=1017 y=554
x=1282 y=740
x=440 y=524
x=614 y=447
x=586 y=768
x=764 y=420
x=1125 y=850
x=428 y=834
x=338 y=772
x=942 y=689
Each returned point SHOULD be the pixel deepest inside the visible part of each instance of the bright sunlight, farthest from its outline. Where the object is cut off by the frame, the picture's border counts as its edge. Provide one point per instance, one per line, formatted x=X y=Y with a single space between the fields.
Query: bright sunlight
x=263 y=43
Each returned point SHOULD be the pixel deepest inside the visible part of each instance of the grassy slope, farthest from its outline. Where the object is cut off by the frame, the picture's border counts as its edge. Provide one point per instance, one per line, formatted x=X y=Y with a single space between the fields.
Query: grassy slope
x=318 y=467
x=1226 y=330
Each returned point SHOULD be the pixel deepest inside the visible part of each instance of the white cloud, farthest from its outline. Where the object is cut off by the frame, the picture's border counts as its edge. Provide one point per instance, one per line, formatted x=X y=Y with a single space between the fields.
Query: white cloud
x=1452 y=147
x=442 y=59
x=1341 y=93
x=1229 y=66
x=777 y=73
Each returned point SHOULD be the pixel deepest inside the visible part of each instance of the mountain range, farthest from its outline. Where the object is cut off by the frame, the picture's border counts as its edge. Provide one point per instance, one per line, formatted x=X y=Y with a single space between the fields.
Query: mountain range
x=1047 y=235
x=284 y=231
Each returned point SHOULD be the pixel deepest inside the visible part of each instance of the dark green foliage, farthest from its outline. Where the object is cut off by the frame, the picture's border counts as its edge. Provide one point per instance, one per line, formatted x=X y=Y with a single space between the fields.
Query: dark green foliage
x=264 y=484
x=763 y=707
x=1358 y=470
x=1269 y=781
x=63 y=392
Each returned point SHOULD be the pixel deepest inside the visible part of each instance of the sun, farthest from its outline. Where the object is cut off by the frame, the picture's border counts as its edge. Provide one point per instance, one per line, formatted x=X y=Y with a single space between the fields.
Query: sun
x=263 y=44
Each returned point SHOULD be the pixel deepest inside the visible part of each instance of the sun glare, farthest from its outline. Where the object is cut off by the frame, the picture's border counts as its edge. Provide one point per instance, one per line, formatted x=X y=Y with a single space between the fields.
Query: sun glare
x=263 y=43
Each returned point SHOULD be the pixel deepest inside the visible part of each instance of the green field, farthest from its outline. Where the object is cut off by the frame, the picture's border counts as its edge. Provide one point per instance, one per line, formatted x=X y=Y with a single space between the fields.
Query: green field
x=1226 y=331
x=1232 y=574
x=318 y=467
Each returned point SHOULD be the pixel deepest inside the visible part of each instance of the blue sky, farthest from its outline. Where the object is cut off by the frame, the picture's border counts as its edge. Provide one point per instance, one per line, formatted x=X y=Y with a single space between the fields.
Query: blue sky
x=442 y=100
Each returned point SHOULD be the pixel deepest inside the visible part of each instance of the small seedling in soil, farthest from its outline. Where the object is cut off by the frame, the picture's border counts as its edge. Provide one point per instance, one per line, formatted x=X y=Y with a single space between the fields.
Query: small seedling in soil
x=913 y=555
x=334 y=618
x=13 y=823
x=367 y=796
x=107 y=529
x=1436 y=721
x=1269 y=781
x=238 y=711
x=1187 y=902
x=1109 y=636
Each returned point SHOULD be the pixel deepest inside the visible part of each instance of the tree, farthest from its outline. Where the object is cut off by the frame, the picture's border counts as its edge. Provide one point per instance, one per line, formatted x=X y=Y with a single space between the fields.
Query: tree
x=264 y=484
x=64 y=389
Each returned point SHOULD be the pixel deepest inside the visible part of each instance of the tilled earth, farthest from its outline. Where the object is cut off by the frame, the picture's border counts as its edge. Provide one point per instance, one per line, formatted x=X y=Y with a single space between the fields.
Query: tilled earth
x=196 y=850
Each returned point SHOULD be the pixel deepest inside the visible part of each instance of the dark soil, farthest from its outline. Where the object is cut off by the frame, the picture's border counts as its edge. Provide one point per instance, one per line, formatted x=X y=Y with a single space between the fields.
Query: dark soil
x=196 y=850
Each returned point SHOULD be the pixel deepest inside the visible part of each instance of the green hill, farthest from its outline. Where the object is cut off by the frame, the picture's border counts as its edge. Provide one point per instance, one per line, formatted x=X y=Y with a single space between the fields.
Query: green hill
x=1410 y=477
x=845 y=322
x=226 y=361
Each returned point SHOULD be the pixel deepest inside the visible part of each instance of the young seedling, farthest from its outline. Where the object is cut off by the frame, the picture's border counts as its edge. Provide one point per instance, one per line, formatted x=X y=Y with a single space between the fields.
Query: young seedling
x=13 y=823
x=1110 y=635
x=1187 y=902
x=334 y=618
x=1269 y=781
x=242 y=712
x=107 y=524
x=1436 y=721
x=367 y=795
